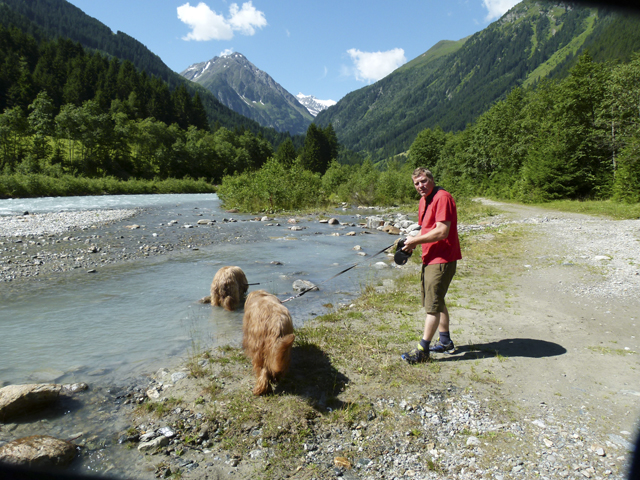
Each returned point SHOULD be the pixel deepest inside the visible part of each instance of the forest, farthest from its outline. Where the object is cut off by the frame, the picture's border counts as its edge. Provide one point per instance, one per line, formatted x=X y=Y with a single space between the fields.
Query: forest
x=70 y=114
x=67 y=111
x=577 y=138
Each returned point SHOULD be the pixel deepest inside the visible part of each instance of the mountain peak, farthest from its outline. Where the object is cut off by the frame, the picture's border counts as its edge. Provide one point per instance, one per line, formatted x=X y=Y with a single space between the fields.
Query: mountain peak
x=243 y=87
x=313 y=104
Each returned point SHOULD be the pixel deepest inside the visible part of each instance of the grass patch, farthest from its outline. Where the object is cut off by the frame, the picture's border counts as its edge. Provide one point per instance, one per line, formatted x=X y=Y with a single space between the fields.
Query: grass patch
x=610 y=351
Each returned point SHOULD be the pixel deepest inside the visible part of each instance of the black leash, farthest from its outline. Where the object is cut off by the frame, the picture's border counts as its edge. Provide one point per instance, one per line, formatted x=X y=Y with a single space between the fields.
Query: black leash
x=315 y=287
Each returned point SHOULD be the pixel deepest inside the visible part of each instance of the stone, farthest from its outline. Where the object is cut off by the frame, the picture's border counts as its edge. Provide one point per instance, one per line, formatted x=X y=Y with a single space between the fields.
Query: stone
x=71 y=388
x=350 y=234
x=333 y=221
x=473 y=442
x=374 y=222
x=147 y=437
x=300 y=285
x=41 y=451
x=153 y=393
x=178 y=376
x=342 y=462
x=391 y=230
x=204 y=221
x=157 y=442
x=23 y=399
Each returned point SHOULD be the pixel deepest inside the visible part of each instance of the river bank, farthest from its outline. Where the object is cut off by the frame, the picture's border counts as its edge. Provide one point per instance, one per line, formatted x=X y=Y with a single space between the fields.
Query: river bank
x=531 y=307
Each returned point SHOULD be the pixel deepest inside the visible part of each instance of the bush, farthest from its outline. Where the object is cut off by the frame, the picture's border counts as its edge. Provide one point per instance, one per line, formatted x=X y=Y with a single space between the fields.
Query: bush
x=272 y=187
x=37 y=185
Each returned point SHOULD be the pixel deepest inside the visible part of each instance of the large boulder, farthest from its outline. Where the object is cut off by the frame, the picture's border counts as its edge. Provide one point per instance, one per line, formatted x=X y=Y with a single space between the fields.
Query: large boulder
x=39 y=451
x=23 y=399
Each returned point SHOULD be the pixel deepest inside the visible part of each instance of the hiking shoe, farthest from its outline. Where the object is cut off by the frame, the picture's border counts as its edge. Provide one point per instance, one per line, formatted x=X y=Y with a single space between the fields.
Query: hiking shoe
x=439 y=347
x=417 y=355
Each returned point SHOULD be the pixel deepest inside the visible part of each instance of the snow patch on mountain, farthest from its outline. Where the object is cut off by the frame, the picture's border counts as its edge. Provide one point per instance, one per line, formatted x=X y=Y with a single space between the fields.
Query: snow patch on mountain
x=313 y=104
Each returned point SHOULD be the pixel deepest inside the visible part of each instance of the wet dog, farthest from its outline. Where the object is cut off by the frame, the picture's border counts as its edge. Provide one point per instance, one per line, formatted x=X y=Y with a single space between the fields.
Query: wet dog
x=228 y=288
x=267 y=337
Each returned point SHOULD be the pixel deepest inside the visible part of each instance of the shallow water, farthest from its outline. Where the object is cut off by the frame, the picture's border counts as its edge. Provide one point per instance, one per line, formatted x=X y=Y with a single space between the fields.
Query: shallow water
x=133 y=318
x=128 y=320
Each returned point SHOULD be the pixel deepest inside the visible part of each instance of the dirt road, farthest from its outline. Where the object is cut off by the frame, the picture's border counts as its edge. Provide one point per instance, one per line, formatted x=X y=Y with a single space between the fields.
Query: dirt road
x=566 y=329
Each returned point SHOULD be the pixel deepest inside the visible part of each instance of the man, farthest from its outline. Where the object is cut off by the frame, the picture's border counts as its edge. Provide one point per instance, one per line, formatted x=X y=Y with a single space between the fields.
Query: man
x=438 y=236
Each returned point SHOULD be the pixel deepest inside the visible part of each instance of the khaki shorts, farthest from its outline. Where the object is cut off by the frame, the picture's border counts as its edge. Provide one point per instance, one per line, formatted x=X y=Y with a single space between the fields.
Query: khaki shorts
x=435 y=282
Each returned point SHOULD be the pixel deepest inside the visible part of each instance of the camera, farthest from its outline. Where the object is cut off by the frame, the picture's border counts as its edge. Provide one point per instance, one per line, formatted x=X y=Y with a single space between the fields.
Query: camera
x=401 y=257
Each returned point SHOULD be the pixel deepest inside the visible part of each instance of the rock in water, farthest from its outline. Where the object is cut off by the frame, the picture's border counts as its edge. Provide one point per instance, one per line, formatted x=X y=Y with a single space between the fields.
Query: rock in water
x=40 y=451
x=23 y=399
x=300 y=285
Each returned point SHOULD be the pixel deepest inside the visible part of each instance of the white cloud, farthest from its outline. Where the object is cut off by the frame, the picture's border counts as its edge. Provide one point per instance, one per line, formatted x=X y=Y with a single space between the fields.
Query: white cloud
x=206 y=24
x=497 y=8
x=226 y=52
x=372 y=66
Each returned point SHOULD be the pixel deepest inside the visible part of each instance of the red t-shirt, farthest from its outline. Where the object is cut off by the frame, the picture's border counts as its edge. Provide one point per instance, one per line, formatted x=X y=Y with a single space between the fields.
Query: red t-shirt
x=441 y=209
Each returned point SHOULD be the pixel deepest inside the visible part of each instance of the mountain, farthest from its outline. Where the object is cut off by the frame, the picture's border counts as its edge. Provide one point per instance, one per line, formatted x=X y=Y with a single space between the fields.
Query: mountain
x=49 y=19
x=241 y=86
x=313 y=104
x=454 y=82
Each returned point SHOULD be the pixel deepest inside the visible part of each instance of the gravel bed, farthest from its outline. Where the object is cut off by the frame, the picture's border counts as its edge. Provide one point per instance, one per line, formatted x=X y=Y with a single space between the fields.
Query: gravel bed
x=56 y=223
x=446 y=434
x=612 y=248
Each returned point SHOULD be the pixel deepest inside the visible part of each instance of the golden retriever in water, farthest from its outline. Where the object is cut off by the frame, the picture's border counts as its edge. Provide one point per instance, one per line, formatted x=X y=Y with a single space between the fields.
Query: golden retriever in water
x=228 y=288
x=267 y=337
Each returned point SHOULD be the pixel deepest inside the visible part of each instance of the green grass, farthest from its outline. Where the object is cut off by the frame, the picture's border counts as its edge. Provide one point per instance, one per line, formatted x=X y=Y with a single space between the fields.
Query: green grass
x=610 y=351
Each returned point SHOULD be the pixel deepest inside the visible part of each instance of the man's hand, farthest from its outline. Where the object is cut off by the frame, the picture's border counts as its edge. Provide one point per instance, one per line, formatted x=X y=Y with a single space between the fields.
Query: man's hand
x=439 y=232
x=409 y=244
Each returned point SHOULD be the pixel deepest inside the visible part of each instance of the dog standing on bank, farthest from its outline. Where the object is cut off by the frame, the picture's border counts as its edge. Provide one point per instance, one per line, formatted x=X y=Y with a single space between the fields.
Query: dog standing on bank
x=267 y=337
x=228 y=288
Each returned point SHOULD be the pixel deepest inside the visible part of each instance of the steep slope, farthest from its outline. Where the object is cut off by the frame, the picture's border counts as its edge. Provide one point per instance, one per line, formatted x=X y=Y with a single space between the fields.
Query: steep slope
x=241 y=86
x=58 y=18
x=454 y=82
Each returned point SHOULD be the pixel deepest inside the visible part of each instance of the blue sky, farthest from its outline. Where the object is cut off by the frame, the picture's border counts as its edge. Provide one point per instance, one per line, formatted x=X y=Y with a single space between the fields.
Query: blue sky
x=323 y=48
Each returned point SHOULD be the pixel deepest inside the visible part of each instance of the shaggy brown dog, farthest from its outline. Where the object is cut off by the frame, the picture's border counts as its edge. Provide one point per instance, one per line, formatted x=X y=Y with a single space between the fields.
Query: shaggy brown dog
x=228 y=288
x=267 y=332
